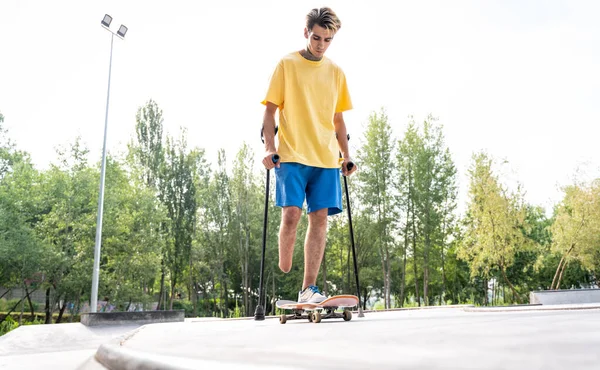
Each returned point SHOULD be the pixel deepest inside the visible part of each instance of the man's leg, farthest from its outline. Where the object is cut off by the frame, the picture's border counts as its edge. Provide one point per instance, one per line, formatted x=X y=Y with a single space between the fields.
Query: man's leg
x=287 y=236
x=314 y=246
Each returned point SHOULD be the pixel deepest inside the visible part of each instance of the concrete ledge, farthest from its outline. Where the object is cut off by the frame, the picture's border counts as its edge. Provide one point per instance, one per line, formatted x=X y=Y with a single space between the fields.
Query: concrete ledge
x=536 y=307
x=128 y=318
x=459 y=306
x=115 y=357
x=572 y=296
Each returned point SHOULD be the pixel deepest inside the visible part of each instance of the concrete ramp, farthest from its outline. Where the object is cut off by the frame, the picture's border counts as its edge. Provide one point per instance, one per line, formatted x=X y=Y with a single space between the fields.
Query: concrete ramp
x=56 y=346
x=439 y=338
x=516 y=338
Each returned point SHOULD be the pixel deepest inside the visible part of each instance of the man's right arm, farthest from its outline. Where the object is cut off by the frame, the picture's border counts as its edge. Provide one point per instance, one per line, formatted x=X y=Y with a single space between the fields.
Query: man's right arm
x=269 y=135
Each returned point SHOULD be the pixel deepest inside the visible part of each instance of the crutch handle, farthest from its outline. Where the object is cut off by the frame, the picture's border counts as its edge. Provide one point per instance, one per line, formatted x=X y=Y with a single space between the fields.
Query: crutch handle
x=350 y=166
x=275 y=158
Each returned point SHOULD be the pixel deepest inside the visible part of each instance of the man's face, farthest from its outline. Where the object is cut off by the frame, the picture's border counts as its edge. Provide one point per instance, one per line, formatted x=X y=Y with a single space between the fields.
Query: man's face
x=319 y=39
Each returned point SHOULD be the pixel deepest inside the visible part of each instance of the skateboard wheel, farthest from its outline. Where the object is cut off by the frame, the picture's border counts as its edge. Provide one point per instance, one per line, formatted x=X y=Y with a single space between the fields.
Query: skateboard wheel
x=316 y=317
x=282 y=319
x=310 y=317
x=347 y=315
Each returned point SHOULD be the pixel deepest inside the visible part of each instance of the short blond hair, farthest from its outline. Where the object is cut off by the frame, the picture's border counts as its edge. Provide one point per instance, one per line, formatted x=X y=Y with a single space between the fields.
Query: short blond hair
x=324 y=17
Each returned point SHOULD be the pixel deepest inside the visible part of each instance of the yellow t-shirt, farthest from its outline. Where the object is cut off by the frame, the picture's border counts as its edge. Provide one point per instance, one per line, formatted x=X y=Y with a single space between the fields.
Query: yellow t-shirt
x=308 y=94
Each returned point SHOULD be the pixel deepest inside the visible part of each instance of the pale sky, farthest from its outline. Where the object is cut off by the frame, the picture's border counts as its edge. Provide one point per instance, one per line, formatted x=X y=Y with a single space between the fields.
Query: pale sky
x=519 y=79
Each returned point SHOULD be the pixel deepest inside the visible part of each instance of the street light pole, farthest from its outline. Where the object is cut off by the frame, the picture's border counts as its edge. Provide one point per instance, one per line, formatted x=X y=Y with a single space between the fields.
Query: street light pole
x=96 y=272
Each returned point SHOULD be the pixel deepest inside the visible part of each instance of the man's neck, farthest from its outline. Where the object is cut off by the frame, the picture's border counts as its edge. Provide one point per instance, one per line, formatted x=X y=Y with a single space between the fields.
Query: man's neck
x=308 y=55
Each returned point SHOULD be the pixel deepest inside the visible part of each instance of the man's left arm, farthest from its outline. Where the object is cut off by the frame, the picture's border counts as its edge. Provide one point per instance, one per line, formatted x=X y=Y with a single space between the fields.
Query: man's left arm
x=342 y=138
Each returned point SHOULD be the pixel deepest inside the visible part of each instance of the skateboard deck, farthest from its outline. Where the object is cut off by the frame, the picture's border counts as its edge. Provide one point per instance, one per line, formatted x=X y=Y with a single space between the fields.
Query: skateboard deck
x=313 y=311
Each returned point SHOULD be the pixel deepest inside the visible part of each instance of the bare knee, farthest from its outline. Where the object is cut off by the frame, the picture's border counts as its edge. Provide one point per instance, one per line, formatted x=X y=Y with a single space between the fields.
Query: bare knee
x=318 y=218
x=290 y=216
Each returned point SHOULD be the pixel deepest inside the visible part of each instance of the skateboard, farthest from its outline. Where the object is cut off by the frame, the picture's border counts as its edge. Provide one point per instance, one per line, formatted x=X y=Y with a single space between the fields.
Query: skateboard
x=314 y=311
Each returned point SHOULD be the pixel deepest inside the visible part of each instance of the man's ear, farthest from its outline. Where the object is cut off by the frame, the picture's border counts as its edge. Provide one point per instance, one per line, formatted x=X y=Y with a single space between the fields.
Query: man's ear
x=305 y=32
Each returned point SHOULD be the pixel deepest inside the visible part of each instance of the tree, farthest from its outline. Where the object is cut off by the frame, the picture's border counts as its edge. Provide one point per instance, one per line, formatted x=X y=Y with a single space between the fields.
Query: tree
x=147 y=149
x=244 y=197
x=532 y=266
x=179 y=197
x=496 y=221
x=406 y=195
x=9 y=155
x=198 y=273
x=21 y=251
x=132 y=239
x=69 y=209
x=375 y=176
x=576 y=229
x=147 y=157
x=435 y=198
x=217 y=238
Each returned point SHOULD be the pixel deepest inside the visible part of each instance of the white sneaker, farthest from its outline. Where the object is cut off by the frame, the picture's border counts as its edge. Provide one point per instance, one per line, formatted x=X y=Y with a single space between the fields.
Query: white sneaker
x=312 y=294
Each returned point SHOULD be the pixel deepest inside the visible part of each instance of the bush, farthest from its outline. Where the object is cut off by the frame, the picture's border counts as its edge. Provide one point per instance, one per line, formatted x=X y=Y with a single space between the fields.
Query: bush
x=11 y=324
x=8 y=325
x=187 y=306
x=39 y=317
x=236 y=312
x=6 y=305
x=37 y=321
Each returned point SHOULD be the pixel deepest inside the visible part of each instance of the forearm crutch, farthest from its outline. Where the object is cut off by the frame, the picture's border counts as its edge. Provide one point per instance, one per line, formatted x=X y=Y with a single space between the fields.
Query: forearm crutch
x=259 y=313
x=349 y=167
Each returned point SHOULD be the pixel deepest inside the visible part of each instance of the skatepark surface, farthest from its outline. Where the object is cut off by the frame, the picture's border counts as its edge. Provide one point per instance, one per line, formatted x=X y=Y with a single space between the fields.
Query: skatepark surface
x=450 y=337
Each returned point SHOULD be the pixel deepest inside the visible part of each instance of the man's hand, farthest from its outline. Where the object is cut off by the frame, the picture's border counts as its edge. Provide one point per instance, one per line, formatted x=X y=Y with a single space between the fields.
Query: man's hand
x=345 y=171
x=342 y=138
x=268 y=160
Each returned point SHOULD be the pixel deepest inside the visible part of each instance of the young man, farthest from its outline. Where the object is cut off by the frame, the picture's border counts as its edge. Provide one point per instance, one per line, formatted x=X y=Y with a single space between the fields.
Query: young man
x=310 y=92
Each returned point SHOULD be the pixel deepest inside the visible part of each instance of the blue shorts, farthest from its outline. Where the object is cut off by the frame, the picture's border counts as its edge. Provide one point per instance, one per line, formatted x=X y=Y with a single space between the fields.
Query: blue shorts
x=320 y=187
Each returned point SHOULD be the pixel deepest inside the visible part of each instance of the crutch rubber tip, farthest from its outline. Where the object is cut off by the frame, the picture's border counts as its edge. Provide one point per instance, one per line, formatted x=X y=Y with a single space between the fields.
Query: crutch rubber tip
x=259 y=313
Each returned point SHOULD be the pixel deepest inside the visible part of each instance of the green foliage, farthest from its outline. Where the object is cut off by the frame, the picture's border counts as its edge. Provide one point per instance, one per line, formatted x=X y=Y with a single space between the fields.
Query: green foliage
x=376 y=189
x=179 y=228
x=425 y=199
x=576 y=229
x=497 y=227
x=22 y=252
x=178 y=194
x=246 y=202
x=132 y=238
x=6 y=305
x=36 y=321
x=185 y=305
x=237 y=312
x=69 y=191
x=7 y=325
x=148 y=152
